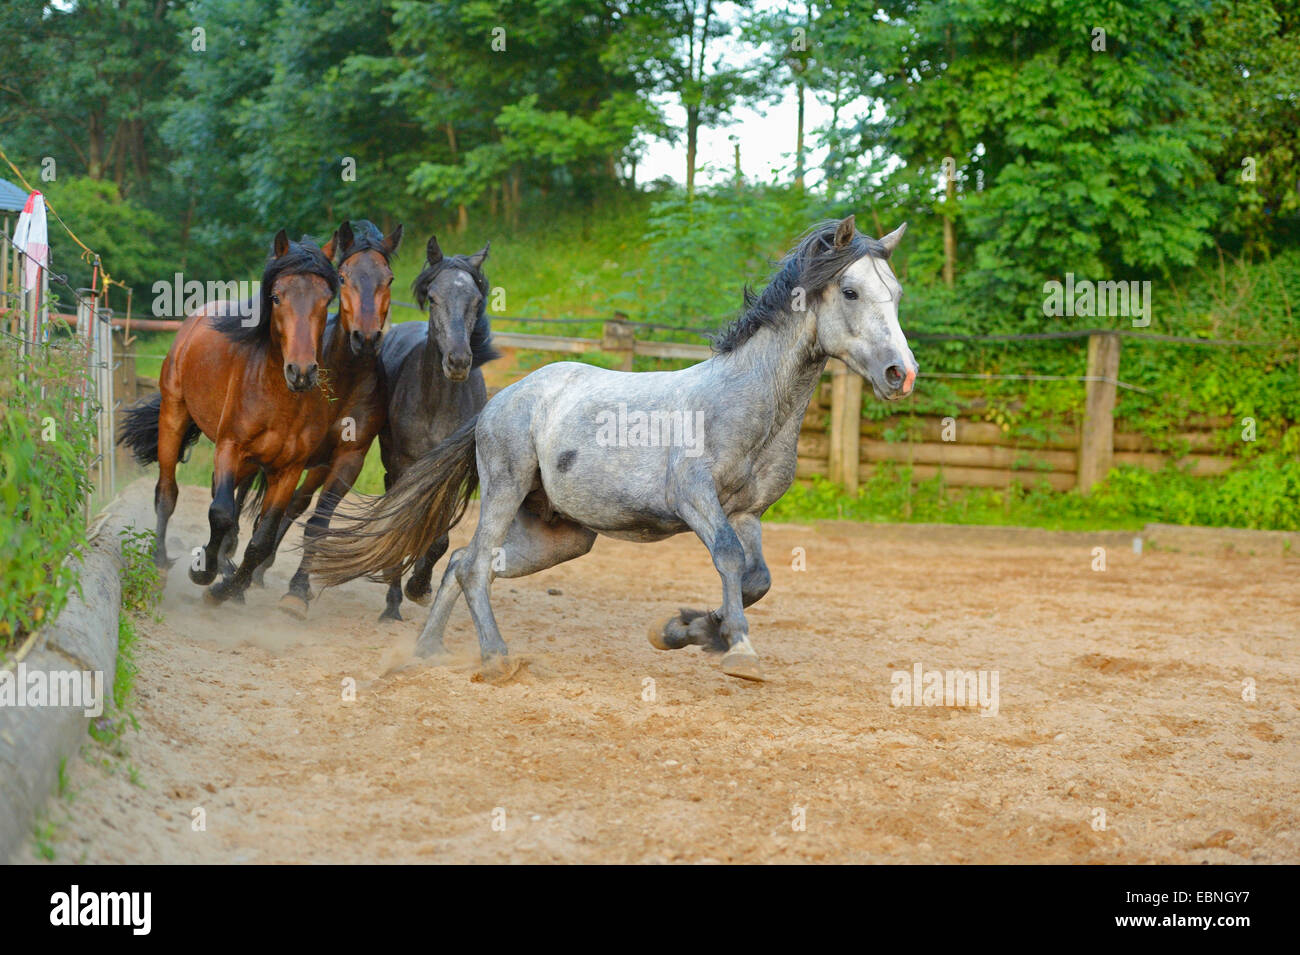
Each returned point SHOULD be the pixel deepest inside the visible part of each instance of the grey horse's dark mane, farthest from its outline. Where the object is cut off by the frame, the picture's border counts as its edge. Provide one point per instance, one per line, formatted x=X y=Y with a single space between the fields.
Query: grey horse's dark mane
x=366 y=237
x=812 y=265
x=480 y=336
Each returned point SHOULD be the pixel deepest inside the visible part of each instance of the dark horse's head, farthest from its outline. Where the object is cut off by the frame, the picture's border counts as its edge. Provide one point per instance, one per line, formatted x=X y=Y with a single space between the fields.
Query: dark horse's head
x=365 y=275
x=298 y=285
x=453 y=291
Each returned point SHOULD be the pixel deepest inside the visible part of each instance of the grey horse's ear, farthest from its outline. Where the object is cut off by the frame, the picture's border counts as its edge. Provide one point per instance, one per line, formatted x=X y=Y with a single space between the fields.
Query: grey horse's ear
x=479 y=257
x=845 y=231
x=890 y=242
x=433 y=252
x=394 y=239
x=280 y=244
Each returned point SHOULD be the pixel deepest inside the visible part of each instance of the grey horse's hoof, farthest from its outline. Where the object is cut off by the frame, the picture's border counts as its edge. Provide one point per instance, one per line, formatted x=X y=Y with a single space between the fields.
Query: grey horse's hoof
x=294 y=606
x=743 y=664
x=690 y=627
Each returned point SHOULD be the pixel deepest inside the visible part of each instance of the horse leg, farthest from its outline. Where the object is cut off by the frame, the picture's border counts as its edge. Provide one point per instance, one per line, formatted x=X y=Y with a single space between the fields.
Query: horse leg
x=229 y=468
x=703 y=627
x=505 y=481
x=418 y=586
x=279 y=491
x=393 y=575
x=531 y=545
x=226 y=555
x=173 y=422
x=695 y=499
x=301 y=501
x=342 y=475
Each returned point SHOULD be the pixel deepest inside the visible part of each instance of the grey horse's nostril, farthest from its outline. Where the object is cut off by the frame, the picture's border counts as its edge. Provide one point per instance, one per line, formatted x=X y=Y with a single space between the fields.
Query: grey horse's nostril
x=894 y=375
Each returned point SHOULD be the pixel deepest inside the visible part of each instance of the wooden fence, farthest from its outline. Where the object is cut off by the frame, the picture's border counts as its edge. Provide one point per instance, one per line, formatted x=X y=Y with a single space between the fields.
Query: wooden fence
x=838 y=443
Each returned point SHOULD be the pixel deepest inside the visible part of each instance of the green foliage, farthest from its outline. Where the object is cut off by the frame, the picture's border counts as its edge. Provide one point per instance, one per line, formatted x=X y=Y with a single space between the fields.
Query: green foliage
x=141 y=579
x=703 y=252
x=127 y=236
x=45 y=448
x=1265 y=495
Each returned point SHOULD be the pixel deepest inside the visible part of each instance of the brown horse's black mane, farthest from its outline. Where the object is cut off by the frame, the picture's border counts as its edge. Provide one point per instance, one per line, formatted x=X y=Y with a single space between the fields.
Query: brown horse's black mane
x=480 y=336
x=366 y=237
x=814 y=263
x=303 y=257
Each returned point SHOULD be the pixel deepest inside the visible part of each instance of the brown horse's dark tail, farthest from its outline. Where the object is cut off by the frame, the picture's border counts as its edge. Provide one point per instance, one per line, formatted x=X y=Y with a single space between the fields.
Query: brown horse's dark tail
x=396 y=529
x=139 y=430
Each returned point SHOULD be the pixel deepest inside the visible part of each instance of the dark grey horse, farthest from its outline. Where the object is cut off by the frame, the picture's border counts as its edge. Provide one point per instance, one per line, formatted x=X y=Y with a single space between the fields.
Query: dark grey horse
x=431 y=371
x=572 y=451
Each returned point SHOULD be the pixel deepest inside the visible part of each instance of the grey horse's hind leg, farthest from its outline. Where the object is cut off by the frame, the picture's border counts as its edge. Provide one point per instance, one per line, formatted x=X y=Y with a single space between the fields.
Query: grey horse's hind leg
x=531 y=545
x=695 y=499
x=703 y=628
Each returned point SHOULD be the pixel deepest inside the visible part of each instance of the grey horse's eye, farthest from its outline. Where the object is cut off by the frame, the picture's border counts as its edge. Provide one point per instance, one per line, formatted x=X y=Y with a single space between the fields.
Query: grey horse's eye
x=850 y=294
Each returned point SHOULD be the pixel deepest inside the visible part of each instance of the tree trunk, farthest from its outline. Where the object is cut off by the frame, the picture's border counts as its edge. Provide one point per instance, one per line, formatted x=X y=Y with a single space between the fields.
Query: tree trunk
x=949 y=232
x=692 y=137
x=798 y=142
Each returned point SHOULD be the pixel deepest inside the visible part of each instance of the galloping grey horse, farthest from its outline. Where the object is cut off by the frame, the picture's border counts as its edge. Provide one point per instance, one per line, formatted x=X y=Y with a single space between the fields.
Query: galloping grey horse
x=572 y=451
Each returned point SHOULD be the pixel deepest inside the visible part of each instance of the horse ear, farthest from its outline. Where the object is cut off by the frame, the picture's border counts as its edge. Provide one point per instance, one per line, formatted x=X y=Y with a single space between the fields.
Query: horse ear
x=433 y=252
x=845 y=231
x=479 y=257
x=890 y=242
x=345 y=236
x=330 y=247
x=394 y=239
x=280 y=244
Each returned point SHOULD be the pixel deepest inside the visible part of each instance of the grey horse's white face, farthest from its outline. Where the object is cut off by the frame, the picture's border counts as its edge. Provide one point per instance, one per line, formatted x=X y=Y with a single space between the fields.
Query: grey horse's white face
x=857 y=322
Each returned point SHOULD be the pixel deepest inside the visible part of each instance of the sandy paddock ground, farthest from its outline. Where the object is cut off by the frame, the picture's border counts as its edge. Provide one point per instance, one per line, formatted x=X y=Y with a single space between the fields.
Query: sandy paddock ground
x=1121 y=733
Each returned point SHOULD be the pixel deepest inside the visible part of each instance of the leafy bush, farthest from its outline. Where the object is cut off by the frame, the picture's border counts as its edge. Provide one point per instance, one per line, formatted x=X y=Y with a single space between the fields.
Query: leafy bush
x=45 y=452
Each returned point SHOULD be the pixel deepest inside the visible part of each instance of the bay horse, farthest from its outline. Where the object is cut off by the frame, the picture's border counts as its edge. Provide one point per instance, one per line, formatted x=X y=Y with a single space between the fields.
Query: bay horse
x=358 y=399
x=245 y=374
x=435 y=384
x=574 y=450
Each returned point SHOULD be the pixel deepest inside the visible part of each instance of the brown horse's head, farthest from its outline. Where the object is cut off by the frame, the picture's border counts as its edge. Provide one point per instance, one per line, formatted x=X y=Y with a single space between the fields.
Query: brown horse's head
x=453 y=292
x=297 y=287
x=364 y=279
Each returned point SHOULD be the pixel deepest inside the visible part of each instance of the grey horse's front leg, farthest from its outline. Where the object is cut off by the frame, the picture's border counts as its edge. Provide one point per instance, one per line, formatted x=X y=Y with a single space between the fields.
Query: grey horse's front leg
x=703 y=628
x=695 y=499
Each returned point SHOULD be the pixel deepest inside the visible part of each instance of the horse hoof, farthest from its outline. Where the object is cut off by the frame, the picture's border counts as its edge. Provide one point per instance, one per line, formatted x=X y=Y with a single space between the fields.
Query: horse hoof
x=213 y=598
x=743 y=664
x=202 y=577
x=294 y=606
x=390 y=613
x=423 y=599
x=665 y=637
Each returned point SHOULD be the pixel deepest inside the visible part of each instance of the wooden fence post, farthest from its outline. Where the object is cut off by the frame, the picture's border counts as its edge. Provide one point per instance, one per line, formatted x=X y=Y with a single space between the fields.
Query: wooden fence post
x=846 y=413
x=1097 y=436
x=619 y=337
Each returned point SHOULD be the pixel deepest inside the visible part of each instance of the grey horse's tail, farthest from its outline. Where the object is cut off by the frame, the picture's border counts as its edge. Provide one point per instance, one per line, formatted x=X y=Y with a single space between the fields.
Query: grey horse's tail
x=396 y=529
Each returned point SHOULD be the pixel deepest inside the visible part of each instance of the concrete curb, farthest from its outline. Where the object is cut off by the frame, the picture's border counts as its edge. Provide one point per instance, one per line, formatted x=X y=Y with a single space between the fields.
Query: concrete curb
x=34 y=741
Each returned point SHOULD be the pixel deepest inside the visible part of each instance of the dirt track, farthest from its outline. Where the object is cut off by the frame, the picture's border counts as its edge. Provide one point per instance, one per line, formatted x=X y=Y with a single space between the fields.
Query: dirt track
x=1119 y=691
